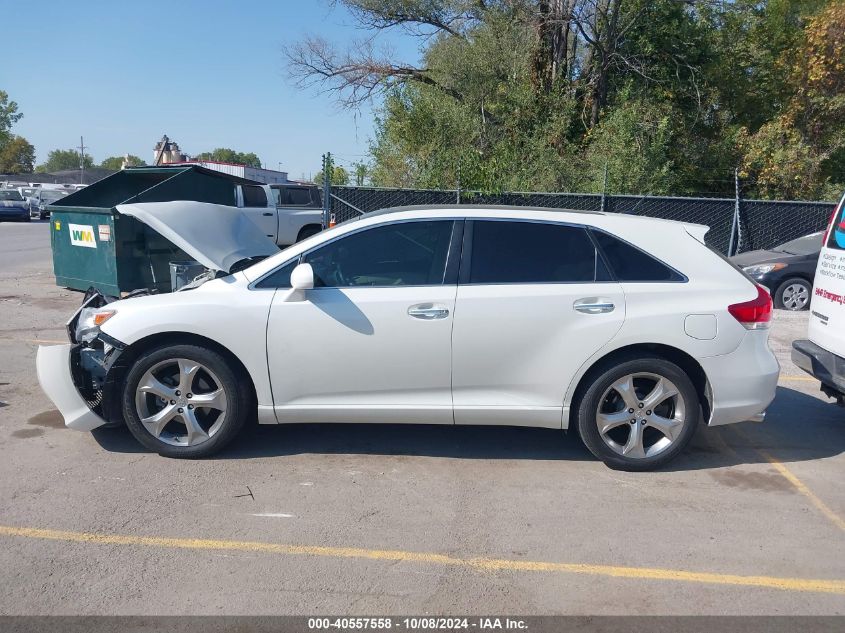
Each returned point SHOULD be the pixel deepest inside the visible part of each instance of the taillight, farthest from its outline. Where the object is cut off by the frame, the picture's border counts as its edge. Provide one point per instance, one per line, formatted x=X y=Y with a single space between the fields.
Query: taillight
x=755 y=314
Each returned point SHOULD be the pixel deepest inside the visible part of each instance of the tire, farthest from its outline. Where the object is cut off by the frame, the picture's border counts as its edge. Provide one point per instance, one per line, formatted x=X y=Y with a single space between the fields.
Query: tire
x=214 y=382
x=307 y=231
x=652 y=447
x=794 y=294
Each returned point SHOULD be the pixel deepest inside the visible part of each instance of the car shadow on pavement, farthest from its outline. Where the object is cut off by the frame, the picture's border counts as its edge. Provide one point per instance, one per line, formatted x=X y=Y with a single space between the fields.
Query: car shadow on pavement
x=798 y=427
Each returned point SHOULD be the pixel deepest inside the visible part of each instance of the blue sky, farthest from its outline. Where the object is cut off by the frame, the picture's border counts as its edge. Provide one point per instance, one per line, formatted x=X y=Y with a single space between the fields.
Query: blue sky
x=208 y=73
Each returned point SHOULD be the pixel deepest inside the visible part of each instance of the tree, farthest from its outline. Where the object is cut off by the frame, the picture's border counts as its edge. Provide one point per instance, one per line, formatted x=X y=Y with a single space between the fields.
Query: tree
x=524 y=95
x=116 y=162
x=361 y=171
x=339 y=176
x=801 y=152
x=226 y=155
x=17 y=156
x=64 y=159
x=9 y=115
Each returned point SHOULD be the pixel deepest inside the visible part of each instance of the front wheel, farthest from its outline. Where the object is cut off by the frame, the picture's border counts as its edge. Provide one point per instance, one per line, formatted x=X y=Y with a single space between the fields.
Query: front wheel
x=638 y=414
x=184 y=401
x=793 y=294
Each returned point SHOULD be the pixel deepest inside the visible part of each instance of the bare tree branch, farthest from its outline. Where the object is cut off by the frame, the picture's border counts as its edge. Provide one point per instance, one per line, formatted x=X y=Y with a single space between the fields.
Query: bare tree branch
x=354 y=76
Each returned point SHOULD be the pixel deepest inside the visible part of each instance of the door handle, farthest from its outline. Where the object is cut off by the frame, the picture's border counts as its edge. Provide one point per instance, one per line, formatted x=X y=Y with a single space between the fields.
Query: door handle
x=269 y=215
x=593 y=305
x=428 y=312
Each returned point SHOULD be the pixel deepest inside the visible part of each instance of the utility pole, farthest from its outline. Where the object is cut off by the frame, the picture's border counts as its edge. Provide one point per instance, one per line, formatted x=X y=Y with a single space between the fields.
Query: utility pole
x=81 y=161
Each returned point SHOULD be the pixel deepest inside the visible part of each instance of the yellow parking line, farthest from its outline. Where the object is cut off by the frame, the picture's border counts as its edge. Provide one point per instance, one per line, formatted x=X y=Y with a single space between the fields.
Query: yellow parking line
x=799 y=485
x=800 y=378
x=837 y=520
x=489 y=564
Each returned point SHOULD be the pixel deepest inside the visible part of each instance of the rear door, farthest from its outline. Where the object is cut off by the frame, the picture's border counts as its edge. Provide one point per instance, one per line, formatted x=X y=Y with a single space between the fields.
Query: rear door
x=534 y=302
x=827 y=309
x=258 y=209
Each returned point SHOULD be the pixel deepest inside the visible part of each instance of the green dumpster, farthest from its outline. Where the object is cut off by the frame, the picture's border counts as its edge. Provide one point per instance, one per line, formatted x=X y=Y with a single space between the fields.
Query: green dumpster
x=95 y=246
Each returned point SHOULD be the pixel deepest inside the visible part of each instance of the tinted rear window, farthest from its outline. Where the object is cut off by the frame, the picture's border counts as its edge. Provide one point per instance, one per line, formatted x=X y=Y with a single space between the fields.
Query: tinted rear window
x=254 y=196
x=629 y=263
x=531 y=252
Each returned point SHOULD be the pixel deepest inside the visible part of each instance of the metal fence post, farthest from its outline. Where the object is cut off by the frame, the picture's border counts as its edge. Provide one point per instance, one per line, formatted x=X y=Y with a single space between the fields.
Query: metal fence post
x=458 y=200
x=327 y=188
x=604 y=189
x=735 y=225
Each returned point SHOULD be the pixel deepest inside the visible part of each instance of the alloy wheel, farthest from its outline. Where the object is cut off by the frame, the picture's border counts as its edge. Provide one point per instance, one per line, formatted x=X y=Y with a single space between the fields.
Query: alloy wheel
x=795 y=297
x=640 y=415
x=181 y=402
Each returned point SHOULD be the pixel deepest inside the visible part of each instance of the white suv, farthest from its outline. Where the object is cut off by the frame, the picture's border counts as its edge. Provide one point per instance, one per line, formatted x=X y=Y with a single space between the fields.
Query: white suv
x=627 y=329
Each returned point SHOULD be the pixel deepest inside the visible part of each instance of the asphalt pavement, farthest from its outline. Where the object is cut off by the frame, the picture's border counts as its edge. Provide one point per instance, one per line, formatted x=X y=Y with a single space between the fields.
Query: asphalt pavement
x=368 y=519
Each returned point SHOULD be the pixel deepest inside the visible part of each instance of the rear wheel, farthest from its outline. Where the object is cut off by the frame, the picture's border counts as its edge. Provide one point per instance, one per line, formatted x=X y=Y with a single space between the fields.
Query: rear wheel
x=793 y=294
x=638 y=414
x=307 y=231
x=184 y=401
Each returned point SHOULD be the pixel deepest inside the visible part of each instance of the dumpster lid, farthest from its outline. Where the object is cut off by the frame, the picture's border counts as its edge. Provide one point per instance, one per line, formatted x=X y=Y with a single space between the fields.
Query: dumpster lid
x=215 y=235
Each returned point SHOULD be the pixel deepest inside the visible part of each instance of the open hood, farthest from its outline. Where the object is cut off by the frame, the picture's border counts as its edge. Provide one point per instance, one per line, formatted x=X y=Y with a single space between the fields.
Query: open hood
x=215 y=235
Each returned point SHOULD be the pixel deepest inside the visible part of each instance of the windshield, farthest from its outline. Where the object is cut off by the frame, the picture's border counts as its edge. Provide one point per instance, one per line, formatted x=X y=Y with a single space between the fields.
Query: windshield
x=52 y=196
x=10 y=195
x=807 y=245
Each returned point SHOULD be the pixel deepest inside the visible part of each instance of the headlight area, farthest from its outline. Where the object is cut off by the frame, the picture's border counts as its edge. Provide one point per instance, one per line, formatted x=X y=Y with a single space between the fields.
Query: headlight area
x=94 y=355
x=758 y=270
x=93 y=368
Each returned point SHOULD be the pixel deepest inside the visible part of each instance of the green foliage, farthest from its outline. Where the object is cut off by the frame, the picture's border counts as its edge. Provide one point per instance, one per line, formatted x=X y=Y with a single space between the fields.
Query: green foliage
x=226 y=155
x=339 y=176
x=9 y=115
x=17 y=156
x=116 y=162
x=668 y=96
x=62 y=159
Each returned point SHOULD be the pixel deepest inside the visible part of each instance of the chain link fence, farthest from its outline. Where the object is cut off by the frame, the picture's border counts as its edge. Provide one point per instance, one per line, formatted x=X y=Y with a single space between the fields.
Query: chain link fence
x=759 y=224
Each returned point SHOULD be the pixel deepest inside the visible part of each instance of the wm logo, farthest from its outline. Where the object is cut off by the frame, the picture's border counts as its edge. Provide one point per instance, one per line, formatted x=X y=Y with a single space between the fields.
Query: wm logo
x=82 y=235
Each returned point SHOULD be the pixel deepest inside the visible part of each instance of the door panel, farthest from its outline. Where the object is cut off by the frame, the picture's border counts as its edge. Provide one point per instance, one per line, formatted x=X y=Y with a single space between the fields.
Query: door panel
x=357 y=355
x=535 y=302
x=372 y=341
x=516 y=348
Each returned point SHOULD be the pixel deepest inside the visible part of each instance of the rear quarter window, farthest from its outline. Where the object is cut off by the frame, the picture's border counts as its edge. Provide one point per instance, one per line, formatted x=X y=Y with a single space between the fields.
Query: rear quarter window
x=629 y=263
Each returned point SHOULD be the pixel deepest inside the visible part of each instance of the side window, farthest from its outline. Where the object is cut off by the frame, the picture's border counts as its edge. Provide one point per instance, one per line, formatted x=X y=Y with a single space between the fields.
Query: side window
x=629 y=263
x=298 y=196
x=280 y=278
x=532 y=252
x=254 y=196
x=401 y=254
x=277 y=198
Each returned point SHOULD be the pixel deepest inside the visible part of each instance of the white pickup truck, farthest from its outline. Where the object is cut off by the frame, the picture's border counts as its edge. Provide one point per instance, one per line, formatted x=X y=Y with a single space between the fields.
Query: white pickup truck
x=286 y=213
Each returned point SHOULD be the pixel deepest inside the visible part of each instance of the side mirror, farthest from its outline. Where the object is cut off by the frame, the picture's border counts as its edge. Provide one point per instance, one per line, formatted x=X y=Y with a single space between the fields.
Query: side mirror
x=301 y=279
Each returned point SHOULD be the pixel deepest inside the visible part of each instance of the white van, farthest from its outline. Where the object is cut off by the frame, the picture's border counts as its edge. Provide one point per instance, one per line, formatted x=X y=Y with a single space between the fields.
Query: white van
x=823 y=356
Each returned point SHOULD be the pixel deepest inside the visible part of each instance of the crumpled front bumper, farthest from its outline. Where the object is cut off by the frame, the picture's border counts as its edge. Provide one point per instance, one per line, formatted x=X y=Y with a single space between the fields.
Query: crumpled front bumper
x=53 y=365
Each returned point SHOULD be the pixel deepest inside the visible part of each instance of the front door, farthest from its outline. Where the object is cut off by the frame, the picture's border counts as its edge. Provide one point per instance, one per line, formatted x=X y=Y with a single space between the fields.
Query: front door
x=372 y=341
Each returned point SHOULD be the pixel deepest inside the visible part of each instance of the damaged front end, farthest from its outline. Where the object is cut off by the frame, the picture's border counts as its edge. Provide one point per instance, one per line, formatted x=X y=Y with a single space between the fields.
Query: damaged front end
x=80 y=377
